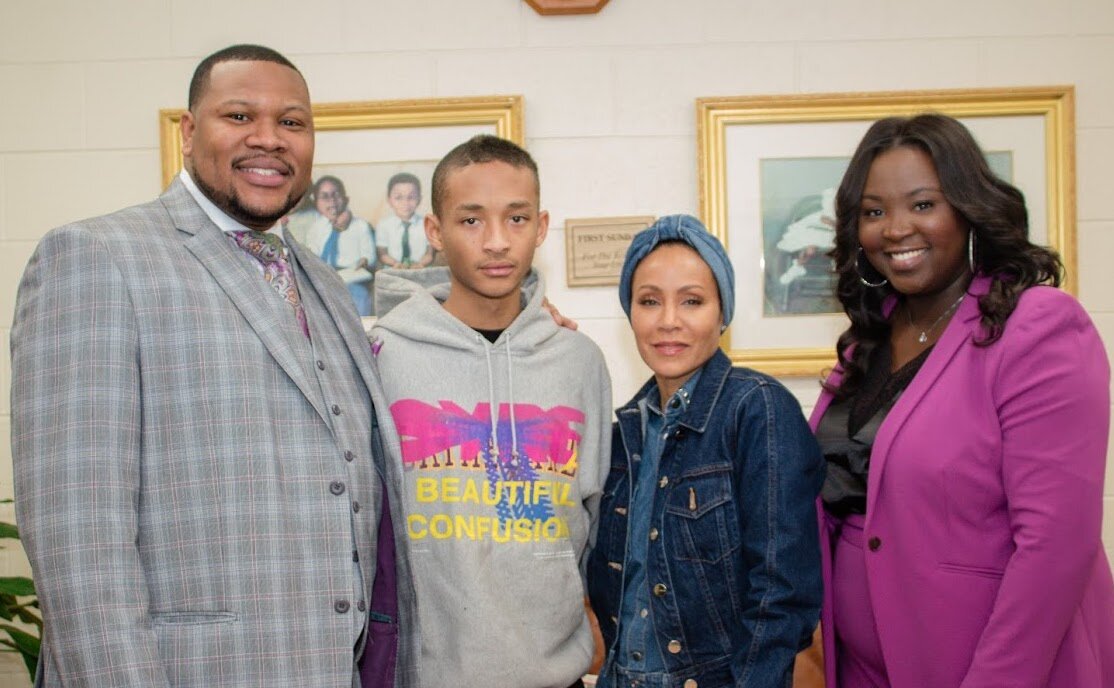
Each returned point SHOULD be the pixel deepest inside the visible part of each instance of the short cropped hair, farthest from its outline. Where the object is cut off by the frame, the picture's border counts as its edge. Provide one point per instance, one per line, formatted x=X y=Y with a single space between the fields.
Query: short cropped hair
x=403 y=178
x=480 y=149
x=234 y=53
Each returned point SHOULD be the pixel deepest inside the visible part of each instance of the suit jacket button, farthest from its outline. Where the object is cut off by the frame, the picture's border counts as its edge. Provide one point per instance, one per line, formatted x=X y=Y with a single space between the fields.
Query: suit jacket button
x=674 y=647
x=660 y=590
x=362 y=606
x=336 y=410
x=349 y=456
x=341 y=606
x=320 y=365
x=874 y=543
x=336 y=487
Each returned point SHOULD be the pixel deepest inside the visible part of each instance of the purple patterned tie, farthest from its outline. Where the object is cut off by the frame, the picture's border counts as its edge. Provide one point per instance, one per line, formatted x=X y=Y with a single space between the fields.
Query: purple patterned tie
x=267 y=249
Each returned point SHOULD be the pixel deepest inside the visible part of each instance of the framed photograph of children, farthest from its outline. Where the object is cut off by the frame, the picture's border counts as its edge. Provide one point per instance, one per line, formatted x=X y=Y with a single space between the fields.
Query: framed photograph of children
x=768 y=170
x=373 y=164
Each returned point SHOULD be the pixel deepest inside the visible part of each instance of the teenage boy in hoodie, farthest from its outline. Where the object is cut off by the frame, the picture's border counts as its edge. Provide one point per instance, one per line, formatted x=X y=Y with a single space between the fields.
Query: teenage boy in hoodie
x=502 y=422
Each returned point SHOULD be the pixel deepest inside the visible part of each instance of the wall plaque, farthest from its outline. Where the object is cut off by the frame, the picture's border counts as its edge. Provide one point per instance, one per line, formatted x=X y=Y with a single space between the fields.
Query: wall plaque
x=595 y=248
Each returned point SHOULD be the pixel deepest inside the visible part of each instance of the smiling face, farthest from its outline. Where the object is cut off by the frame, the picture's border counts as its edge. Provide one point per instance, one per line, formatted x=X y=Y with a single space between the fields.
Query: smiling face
x=248 y=141
x=909 y=231
x=675 y=314
x=488 y=227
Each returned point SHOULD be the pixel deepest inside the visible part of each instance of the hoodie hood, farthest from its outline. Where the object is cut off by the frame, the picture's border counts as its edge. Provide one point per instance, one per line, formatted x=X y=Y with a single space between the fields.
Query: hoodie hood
x=426 y=320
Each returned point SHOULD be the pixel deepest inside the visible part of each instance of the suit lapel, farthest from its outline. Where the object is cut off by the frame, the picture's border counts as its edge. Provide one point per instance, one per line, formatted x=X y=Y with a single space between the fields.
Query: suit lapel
x=241 y=282
x=823 y=402
x=959 y=332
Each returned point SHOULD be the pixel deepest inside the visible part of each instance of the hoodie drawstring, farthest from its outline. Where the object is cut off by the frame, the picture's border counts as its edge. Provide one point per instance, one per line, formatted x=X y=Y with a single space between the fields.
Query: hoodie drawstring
x=493 y=409
x=510 y=399
x=493 y=404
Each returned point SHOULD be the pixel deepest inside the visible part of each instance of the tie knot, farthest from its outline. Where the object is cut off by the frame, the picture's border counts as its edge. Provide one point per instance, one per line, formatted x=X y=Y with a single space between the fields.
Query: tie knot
x=265 y=246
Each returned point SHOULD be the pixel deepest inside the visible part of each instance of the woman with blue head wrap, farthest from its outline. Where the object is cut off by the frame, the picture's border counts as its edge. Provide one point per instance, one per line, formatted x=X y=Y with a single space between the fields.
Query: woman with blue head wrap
x=688 y=230
x=706 y=569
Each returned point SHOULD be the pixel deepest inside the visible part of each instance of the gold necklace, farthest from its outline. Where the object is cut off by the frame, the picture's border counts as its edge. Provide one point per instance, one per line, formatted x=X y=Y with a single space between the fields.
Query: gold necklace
x=925 y=332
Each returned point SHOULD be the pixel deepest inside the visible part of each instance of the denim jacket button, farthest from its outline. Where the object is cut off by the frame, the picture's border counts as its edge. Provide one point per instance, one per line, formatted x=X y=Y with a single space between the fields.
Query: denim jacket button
x=636 y=656
x=691 y=683
x=660 y=590
x=664 y=481
x=621 y=510
x=674 y=647
x=653 y=534
x=615 y=565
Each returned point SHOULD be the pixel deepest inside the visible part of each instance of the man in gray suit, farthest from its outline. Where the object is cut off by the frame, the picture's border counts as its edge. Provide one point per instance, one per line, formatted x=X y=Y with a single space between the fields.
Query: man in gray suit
x=199 y=476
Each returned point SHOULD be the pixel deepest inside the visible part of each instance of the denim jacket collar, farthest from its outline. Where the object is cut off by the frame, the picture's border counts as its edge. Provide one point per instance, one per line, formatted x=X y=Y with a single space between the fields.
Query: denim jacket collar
x=704 y=397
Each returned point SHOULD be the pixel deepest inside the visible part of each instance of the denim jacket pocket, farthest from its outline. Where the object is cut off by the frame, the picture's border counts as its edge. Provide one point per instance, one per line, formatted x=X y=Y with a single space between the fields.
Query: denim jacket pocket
x=703 y=517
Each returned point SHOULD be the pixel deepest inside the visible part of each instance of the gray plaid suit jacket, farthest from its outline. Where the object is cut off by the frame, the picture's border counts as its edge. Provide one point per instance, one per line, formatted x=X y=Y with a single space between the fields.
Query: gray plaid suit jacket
x=172 y=477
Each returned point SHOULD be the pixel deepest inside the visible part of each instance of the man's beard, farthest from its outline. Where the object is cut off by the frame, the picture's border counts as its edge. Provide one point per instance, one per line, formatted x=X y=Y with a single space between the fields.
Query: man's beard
x=232 y=206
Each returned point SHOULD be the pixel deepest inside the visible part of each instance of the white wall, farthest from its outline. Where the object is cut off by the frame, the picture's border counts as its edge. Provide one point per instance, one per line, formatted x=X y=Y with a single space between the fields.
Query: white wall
x=609 y=104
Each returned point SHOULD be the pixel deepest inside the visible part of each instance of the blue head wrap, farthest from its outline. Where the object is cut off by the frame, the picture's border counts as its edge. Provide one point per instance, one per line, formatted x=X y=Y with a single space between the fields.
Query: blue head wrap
x=688 y=229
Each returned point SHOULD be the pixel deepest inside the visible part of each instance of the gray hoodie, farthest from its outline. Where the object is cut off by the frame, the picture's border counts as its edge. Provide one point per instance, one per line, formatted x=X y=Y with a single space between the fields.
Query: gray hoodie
x=504 y=449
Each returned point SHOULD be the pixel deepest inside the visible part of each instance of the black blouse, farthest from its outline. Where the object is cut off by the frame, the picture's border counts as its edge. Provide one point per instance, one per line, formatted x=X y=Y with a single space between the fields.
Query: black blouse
x=846 y=432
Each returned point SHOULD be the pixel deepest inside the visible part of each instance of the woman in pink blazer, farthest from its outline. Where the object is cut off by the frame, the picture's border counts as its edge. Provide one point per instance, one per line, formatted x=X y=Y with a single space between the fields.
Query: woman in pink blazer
x=965 y=430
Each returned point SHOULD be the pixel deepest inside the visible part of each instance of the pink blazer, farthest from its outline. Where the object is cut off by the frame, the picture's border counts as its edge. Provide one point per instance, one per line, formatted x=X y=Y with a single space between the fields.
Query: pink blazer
x=985 y=496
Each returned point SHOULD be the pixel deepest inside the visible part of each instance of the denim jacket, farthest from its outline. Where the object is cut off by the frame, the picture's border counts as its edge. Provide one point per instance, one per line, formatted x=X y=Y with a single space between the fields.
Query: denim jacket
x=734 y=558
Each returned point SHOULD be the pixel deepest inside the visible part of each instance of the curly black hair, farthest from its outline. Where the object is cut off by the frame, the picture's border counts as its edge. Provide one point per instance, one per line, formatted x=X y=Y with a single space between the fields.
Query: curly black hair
x=993 y=210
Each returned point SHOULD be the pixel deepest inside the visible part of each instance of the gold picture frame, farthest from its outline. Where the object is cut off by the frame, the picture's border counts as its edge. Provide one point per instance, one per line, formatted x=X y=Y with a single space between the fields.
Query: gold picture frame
x=1031 y=128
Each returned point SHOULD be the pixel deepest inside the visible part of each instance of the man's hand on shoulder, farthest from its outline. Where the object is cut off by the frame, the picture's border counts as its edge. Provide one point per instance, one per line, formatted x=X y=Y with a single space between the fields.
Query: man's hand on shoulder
x=561 y=320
